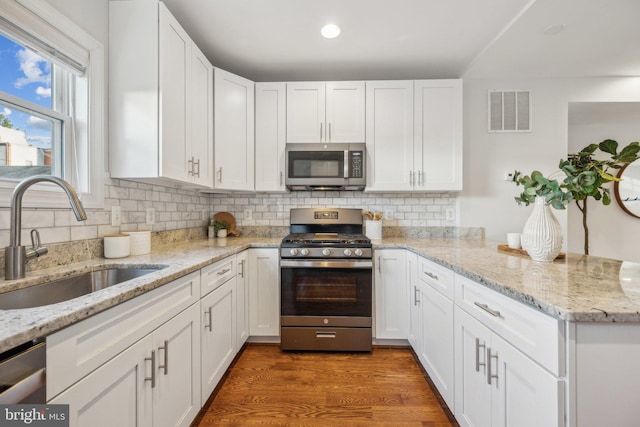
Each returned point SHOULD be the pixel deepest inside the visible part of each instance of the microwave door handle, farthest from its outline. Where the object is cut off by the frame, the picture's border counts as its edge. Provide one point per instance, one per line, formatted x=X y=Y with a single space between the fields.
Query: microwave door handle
x=346 y=164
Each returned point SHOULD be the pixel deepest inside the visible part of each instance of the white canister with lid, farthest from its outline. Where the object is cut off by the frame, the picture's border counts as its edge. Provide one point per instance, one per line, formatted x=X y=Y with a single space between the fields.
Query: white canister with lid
x=140 y=241
x=117 y=246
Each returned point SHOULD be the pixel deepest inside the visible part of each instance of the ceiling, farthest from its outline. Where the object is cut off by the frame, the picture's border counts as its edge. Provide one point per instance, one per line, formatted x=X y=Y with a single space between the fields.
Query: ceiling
x=412 y=39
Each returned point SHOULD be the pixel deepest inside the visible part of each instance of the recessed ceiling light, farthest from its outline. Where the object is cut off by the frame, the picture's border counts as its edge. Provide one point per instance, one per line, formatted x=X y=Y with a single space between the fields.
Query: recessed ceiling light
x=554 y=29
x=330 y=31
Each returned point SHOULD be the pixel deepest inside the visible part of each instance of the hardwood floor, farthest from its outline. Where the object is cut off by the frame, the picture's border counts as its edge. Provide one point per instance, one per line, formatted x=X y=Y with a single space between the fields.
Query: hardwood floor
x=268 y=387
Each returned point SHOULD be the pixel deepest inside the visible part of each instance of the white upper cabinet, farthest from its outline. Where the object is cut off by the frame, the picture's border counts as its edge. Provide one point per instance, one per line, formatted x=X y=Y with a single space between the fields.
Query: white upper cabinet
x=154 y=134
x=270 y=136
x=233 y=131
x=414 y=135
x=325 y=112
x=389 y=135
x=438 y=135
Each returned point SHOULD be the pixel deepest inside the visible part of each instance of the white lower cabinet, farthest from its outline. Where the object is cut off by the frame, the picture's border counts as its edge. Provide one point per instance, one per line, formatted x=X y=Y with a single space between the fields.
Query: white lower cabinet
x=431 y=322
x=496 y=383
x=218 y=311
x=264 y=292
x=242 y=299
x=391 y=294
x=436 y=352
x=154 y=382
x=415 y=308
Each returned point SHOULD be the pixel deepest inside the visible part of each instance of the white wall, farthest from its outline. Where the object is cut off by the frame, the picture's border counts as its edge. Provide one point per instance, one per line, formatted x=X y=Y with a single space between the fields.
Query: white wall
x=487 y=200
x=612 y=232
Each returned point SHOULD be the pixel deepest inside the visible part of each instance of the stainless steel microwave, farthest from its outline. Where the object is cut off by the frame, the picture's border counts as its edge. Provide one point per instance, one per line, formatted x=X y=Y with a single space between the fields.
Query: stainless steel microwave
x=325 y=166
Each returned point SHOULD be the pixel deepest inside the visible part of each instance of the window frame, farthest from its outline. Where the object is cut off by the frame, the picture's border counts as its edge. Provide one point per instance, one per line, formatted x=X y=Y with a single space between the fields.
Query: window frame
x=48 y=24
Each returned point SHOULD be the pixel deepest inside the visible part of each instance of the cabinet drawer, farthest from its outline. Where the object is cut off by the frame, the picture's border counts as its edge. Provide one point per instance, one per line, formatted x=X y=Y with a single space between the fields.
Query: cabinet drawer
x=217 y=273
x=536 y=334
x=438 y=277
x=81 y=348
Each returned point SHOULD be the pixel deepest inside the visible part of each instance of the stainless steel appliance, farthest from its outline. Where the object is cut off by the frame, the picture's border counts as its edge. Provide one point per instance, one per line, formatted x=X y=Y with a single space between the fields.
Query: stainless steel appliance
x=327 y=166
x=326 y=282
x=22 y=374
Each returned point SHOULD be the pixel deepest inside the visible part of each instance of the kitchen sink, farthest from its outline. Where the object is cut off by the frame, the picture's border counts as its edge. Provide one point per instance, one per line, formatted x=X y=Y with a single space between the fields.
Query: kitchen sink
x=70 y=287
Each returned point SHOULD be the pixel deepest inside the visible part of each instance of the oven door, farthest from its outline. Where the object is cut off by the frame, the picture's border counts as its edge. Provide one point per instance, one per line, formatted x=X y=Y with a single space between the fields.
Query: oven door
x=326 y=293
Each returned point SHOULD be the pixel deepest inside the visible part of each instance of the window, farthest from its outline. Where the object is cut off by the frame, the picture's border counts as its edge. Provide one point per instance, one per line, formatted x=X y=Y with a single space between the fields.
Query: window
x=51 y=104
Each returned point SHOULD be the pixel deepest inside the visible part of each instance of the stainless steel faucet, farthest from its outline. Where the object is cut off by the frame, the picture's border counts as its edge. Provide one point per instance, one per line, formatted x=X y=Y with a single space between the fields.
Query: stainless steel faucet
x=16 y=256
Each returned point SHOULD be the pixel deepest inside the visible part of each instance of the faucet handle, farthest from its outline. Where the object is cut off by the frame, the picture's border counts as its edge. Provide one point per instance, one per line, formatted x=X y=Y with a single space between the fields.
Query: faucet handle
x=36 y=249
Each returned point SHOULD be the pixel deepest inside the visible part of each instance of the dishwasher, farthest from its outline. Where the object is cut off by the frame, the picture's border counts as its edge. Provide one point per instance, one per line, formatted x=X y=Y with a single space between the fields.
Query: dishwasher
x=22 y=374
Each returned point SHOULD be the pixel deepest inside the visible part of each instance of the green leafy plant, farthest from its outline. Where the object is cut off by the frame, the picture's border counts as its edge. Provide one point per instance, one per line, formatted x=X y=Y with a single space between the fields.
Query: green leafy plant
x=585 y=176
x=219 y=225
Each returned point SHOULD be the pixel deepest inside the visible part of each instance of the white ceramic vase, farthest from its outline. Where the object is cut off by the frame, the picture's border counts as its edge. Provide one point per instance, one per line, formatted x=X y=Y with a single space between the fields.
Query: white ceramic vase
x=542 y=235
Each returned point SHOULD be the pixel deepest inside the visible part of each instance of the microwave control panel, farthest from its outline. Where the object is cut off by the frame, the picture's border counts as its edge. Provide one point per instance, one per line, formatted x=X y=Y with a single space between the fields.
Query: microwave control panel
x=355 y=161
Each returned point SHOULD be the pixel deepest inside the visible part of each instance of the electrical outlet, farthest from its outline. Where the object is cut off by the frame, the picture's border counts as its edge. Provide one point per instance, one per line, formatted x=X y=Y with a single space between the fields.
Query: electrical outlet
x=388 y=214
x=508 y=176
x=150 y=217
x=248 y=214
x=203 y=214
x=450 y=214
x=116 y=217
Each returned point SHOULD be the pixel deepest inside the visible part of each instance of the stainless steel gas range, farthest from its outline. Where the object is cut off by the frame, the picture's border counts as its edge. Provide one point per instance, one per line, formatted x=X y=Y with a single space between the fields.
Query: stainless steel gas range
x=326 y=285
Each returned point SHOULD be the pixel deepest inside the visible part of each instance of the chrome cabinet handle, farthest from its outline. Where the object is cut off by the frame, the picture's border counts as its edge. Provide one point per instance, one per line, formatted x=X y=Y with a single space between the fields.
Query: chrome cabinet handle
x=190 y=167
x=419 y=177
x=220 y=175
x=485 y=307
x=410 y=177
x=210 y=324
x=152 y=378
x=197 y=163
x=165 y=348
x=379 y=266
x=241 y=273
x=433 y=276
x=281 y=176
x=478 y=347
x=329 y=132
x=320 y=131
x=489 y=357
x=415 y=295
x=223 y=272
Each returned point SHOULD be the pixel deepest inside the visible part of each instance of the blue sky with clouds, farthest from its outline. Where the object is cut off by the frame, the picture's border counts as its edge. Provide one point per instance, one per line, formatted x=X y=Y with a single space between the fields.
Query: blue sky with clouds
x=26 y=75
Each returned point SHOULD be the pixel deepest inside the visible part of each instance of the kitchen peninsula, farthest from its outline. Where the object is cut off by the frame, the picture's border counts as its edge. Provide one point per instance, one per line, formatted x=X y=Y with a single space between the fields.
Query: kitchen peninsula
x=584 y=332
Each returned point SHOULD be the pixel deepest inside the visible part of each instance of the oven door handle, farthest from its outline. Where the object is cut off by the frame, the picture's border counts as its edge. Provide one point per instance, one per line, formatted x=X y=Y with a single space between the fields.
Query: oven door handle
x=326 y=264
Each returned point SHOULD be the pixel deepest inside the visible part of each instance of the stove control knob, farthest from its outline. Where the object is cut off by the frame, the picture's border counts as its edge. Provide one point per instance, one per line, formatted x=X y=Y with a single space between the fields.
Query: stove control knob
x=304 y=252
x=347 y=252
x=293 y=252
x=326 y=252
x=358 y=252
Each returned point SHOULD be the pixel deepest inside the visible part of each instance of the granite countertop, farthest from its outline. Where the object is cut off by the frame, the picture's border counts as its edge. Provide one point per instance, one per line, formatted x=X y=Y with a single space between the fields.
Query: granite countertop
x=578 y=288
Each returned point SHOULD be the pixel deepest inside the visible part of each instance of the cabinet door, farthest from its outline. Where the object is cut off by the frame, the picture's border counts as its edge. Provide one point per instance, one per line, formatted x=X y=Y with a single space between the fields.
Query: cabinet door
x=415 y=309
x=389 y=135
x=116 y=394
x=176 y=397
x=345 y=112
x=264 y=292
x=175 y=73
x=392 y=294
x=523 y=393
x=242 y=299
x=200 y=160
x=270 y=136
x=233 y=131
x=472 y=395
x=306 y=112
x=438 y=135
x=218 y=311
x=436 y=353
